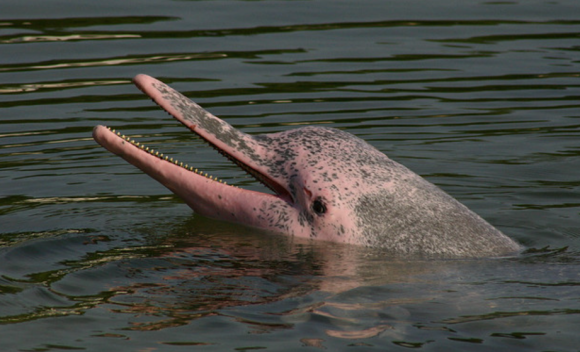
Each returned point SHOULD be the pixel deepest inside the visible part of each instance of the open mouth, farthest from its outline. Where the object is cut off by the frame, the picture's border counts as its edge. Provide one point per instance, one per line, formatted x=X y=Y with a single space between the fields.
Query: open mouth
x=240 y=148
x=276 y=187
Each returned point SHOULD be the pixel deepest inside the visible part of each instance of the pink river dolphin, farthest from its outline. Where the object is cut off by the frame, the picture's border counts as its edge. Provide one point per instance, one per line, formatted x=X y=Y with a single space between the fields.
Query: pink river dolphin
x=327 y=185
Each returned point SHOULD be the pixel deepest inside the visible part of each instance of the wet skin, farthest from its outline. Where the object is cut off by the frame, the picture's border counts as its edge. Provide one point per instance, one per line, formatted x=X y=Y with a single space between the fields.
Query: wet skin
x=327 y=184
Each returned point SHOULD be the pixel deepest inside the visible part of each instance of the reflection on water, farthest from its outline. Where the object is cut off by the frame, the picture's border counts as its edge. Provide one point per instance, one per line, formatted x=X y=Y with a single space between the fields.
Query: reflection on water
x=481 y=98
x=272 y=284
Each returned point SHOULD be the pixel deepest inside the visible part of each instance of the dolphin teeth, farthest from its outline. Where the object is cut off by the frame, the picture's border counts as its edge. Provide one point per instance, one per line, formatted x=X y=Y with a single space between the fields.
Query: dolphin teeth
x=167 y=158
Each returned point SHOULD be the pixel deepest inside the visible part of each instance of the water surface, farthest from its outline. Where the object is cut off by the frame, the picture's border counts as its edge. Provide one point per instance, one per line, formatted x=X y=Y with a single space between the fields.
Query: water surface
x=479 y=97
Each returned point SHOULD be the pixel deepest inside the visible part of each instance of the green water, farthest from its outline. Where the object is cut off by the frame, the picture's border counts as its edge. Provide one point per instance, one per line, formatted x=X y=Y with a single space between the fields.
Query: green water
x=479 y=97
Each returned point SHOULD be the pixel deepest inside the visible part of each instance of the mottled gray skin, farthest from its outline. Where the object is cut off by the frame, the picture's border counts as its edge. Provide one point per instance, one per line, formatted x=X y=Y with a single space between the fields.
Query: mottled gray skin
x=331 y=185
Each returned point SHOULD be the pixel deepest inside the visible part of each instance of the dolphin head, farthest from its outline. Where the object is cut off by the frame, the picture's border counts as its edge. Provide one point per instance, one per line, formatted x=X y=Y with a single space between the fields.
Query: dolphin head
x=327 y=184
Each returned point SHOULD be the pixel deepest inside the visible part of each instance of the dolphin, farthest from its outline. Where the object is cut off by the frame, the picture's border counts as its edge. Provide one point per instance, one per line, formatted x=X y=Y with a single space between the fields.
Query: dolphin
x=327 y=185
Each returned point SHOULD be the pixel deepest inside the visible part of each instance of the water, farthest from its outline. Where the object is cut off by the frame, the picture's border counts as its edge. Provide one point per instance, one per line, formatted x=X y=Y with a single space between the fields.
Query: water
x=479 y=97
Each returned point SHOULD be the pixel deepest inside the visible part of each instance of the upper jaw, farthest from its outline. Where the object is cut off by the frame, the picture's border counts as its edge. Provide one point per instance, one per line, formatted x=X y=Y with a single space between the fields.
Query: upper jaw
x=240 y=148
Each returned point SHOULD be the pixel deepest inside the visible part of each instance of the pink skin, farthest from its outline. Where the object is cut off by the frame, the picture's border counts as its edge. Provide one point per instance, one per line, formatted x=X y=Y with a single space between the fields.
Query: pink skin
x=205 y=196
x=328 y=185
x=209 y=197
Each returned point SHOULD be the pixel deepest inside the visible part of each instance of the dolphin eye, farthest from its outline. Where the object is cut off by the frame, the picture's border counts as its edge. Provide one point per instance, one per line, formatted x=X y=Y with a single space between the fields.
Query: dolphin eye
x=318 y=207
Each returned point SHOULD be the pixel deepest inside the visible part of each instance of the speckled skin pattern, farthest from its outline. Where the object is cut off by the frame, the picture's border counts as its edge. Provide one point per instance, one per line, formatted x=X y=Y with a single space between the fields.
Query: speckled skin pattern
x=329 y=185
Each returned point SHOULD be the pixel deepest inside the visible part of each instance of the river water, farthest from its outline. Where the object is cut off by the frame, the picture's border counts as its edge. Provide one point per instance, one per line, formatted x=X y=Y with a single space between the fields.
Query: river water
x=479 y=97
